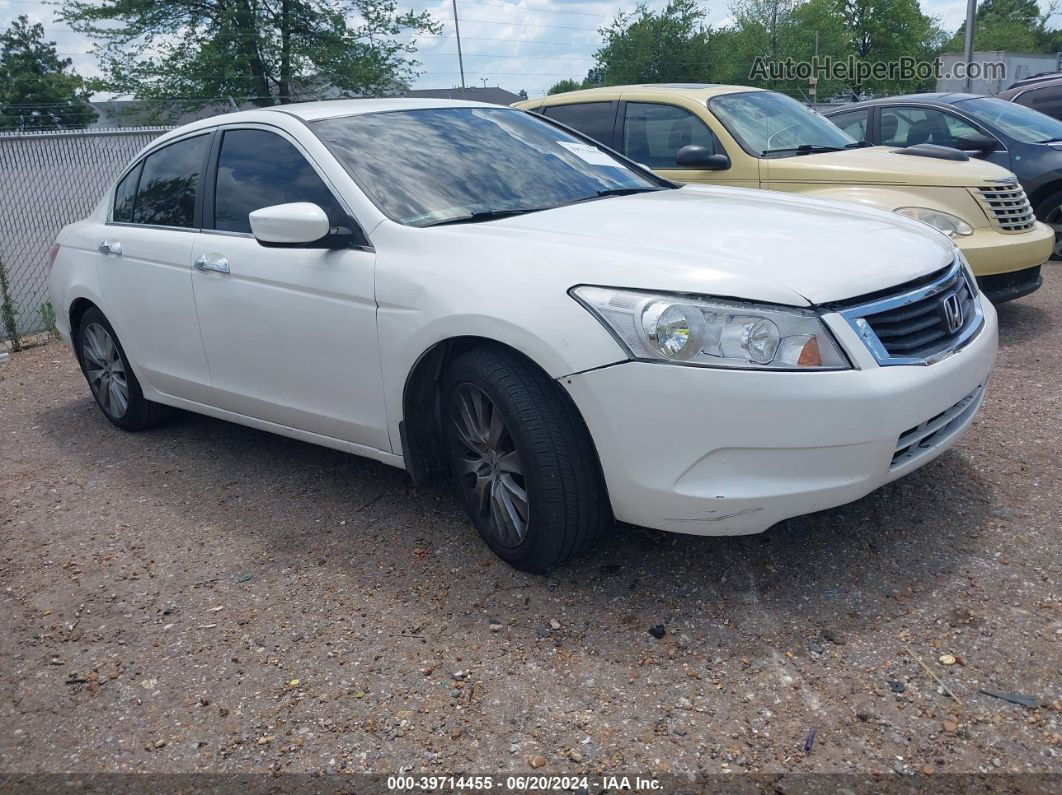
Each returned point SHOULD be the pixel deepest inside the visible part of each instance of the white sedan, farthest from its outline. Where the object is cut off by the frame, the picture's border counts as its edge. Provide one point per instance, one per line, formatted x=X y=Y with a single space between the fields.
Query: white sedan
x=473 y=293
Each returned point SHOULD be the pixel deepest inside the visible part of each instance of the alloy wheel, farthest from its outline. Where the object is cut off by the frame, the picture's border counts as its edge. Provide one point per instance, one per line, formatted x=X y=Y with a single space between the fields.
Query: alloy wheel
x=487 y=465
x=105 y=370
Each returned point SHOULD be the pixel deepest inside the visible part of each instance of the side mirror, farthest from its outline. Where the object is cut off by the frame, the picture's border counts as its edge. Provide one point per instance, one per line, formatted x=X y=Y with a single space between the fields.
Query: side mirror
x=299 y=225
x=694 y=156
x=975 y=143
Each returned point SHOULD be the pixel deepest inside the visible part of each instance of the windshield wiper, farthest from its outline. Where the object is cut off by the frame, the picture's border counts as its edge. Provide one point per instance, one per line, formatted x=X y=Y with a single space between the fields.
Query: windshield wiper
x=858 y=145
x=806 y=149
x=485 y=215
x=1050 y=140
x=490 y=215
x=606 y=192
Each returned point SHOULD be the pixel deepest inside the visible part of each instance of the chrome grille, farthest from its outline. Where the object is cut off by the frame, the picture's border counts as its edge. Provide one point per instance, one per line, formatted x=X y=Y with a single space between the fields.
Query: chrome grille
x=1007 y=207
x=922 y=322
x=922 y=439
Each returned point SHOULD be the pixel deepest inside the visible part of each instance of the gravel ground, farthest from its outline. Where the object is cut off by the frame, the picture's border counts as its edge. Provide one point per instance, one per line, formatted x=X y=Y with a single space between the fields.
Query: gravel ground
x=206 y=597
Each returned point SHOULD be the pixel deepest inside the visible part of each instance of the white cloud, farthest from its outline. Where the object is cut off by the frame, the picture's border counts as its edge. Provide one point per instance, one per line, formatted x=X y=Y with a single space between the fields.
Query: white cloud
x=517 y=44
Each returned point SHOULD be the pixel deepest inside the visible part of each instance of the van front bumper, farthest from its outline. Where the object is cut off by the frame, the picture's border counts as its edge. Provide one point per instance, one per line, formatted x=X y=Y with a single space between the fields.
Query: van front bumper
x=990 y=252
x=729 y=452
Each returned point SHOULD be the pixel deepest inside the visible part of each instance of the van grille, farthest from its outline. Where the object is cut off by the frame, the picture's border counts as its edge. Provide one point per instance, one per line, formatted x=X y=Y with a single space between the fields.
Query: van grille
x=1007 y=207
x=922 y=322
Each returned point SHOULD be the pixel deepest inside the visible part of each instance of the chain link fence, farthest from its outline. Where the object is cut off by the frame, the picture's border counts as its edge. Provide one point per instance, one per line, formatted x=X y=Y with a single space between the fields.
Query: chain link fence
x=48 y=180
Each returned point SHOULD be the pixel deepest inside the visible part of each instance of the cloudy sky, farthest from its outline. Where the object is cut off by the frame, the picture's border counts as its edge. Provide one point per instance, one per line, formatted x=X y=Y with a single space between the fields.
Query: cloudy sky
x=517 y=44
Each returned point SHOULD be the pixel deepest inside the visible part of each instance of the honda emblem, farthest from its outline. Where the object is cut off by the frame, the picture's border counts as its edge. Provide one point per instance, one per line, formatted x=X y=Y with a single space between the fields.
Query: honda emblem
x=953 y=313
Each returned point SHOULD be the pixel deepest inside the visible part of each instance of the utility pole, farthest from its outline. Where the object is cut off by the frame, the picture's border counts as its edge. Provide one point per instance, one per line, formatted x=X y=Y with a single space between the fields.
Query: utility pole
x=460 y=59
x=971 y=12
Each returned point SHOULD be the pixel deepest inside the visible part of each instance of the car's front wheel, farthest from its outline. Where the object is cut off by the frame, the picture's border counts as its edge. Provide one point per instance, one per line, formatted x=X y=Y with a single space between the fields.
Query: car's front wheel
x=1050 y=212
x=522 y=460
x=111 y=379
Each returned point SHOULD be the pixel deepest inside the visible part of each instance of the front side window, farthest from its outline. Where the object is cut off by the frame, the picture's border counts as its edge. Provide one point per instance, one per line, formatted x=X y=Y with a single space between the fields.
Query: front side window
x=1017 y=121
x=168 y=183
x=774 y=125
x=902 y=126
x=125 y=196
x=444 y=165
x=853 y=122
x=654 y=133
x=590 y=118
x=259 y=169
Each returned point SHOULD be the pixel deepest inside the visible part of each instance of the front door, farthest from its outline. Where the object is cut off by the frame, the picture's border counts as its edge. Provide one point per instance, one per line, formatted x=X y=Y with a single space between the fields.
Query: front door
x=290 y=333
x=652 y=133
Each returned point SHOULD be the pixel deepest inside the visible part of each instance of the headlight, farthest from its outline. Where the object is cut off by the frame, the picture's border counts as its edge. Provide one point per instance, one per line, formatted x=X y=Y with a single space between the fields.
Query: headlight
x=945 y=222
x=712 y=332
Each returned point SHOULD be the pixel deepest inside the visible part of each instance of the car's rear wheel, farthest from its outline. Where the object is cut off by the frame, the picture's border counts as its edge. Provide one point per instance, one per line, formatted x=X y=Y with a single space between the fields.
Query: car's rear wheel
x=110 y=378
x=522 y=460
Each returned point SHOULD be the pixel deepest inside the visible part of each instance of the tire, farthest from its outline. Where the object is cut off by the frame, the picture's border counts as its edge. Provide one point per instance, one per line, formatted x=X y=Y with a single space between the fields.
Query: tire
x=110 y=377
x=1049 y=211
x=509 y=430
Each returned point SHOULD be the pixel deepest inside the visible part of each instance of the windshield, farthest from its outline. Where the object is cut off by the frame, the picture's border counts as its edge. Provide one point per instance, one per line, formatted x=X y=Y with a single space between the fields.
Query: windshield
x=772 y=124
x=1027 y=125
x=439 y=165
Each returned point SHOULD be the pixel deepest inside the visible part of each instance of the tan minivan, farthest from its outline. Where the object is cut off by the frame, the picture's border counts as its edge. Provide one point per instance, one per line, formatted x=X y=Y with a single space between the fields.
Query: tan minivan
x=751 y=138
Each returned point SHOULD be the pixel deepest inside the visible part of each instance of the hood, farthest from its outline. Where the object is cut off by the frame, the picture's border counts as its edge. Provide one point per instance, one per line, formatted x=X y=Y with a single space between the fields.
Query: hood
x=883 y=165
x=727 y=242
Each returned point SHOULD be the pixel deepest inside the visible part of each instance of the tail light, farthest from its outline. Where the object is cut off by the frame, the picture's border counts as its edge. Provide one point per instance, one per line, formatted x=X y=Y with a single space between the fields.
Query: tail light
x=53 y=252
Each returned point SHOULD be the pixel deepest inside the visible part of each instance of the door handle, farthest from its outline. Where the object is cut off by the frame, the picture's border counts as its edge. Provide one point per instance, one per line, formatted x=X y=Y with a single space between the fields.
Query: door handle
x=205 y=263
x=110 y=247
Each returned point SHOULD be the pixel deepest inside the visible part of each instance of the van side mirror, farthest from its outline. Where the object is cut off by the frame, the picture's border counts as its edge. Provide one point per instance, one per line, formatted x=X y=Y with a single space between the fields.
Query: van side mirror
x=975 y=143
x=695 y=156
x=302 y=225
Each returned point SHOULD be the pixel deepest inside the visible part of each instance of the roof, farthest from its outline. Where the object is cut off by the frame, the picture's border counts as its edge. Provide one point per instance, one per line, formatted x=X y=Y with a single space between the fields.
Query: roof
x=931 y=98
x=327 y=109
x=1030 y=85
x=490 y=94
x=697 y=91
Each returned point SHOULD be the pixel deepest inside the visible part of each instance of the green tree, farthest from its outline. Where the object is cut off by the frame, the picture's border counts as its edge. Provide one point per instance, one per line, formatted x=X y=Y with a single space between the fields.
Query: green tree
x=38 y=90
x=644 y=46
x=262 y=51
x=562 y=86
x=866 y=30
x=1015 y=25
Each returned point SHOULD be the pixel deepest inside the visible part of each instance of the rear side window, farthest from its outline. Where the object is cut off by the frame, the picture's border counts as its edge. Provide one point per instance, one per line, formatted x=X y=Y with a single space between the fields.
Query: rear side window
x=259 y=169
x=166 y=195
x=653 y=134
x=125 y=196
x=594 y=119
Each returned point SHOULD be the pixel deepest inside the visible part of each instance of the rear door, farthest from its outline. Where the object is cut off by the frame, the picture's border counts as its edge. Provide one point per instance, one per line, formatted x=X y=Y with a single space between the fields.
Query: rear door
x=145 y=267
x=290 y=333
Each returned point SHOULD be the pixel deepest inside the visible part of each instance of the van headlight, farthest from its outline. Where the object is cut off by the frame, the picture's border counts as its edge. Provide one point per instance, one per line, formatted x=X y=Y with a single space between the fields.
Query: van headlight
x=947 y=223
x=712 y=332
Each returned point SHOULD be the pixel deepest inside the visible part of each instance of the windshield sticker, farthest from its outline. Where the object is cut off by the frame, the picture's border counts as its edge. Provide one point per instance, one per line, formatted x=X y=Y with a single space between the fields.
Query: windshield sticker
x=589 y=154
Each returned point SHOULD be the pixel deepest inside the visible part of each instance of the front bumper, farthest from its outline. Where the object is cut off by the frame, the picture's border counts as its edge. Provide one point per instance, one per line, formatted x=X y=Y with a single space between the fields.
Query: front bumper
x=989 y=251
x=729 y=452
x=1000 y=287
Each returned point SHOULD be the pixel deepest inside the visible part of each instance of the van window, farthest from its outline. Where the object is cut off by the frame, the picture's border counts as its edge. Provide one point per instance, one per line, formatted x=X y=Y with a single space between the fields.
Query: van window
x=653 y=133
x=594 y=119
